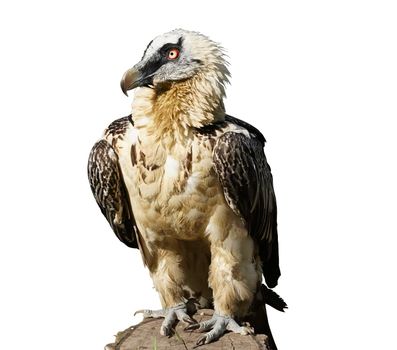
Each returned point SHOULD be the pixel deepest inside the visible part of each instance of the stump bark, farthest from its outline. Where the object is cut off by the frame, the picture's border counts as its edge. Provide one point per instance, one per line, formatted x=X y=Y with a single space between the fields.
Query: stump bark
x=146 y=336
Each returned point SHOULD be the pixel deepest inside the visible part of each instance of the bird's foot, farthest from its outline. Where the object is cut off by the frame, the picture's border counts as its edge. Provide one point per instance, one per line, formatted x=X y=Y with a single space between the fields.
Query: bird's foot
x=218 y=325
x=170 y=315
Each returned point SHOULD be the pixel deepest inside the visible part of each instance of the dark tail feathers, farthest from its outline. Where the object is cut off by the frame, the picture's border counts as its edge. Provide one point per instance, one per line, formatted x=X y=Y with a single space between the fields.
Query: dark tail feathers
x=272 y=299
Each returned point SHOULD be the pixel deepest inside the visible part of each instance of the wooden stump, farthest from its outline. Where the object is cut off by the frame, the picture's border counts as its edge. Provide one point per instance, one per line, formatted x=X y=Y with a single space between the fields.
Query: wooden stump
x=146 y=336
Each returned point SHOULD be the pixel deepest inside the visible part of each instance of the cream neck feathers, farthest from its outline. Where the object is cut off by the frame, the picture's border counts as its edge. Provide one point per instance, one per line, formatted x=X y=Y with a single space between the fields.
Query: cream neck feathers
x=173 y=110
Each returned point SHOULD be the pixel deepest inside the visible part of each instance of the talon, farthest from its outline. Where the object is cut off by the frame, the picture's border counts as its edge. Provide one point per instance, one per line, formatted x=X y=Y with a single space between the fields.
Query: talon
x=138 y=312
x=247 y=331
x=203 y=326
x=146 y=313
x=189 y=320
x=192 y=327
x=201 y=341
x=182 y=315
x=166 y=331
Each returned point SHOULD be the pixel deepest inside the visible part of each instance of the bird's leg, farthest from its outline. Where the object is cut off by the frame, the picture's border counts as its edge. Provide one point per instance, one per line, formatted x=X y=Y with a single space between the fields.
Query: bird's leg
x=168 y=278
x=233 y=277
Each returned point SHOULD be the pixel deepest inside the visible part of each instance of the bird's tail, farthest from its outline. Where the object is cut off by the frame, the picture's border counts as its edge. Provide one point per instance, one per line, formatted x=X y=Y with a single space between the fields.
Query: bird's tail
x=272 y=299
x=258 y=315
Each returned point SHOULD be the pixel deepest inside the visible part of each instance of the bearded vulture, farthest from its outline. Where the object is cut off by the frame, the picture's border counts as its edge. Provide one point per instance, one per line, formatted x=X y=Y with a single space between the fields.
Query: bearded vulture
x=190 y=187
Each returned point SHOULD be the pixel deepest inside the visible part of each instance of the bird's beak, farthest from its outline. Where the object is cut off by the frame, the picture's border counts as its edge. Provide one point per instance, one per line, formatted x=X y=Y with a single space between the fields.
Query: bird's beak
x=130 y=80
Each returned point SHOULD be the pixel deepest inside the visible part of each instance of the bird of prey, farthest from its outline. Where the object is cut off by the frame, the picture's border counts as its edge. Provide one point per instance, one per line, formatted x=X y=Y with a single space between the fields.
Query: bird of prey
x=190 y=187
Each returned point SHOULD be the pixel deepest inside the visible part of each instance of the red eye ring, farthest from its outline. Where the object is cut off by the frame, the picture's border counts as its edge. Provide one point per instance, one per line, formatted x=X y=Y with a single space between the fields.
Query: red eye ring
x=173 y=54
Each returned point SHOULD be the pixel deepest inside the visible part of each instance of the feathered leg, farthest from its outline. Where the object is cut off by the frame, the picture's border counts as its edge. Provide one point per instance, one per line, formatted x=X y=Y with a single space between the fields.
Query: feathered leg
x=233 y=277
x=168 y=277
x=180 y=275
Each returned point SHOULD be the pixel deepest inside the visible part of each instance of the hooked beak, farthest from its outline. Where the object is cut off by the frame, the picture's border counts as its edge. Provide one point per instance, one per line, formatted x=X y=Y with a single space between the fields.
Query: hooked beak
x=130 y=80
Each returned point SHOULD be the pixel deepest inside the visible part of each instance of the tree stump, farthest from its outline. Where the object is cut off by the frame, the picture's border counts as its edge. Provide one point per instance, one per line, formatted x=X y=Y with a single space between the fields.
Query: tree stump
x=146 y=336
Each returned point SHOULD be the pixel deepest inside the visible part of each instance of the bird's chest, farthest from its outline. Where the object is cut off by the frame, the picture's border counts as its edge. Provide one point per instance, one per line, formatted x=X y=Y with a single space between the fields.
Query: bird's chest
x=172 y=190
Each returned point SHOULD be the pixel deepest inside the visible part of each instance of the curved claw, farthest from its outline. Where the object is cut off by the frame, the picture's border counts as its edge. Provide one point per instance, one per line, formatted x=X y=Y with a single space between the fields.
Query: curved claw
x=144 y=312
x=202 y=326
x=150 y=313
x=201 y=341
x=178 y=312
x=192 y=327
x=187 y=319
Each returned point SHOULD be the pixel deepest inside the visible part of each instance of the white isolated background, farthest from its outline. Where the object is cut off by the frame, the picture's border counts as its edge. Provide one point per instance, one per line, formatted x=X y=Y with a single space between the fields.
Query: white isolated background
x=318 y=78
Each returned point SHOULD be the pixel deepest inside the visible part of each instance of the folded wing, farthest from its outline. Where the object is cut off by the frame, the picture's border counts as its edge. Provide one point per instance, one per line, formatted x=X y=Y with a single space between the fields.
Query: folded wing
x=247 y=183
x=110 y=192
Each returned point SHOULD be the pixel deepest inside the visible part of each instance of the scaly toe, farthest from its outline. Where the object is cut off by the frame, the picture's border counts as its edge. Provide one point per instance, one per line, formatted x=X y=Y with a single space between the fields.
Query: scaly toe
x=218 y=325
x=178 y=312
x=182 y=316
x=234 y=327
x=202 y=326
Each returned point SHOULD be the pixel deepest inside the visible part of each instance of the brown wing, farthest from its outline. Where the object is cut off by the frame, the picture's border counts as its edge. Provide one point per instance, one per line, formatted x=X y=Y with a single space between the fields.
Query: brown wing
x=108 y=187
x=247 y=183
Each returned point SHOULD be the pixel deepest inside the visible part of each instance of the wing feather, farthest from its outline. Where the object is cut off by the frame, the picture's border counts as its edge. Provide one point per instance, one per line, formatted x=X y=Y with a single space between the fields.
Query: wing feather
x=247 y=182
x=110 y=192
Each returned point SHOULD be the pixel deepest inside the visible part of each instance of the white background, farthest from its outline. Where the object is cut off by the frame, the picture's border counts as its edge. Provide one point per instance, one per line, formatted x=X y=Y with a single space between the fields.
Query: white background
x=319 y=78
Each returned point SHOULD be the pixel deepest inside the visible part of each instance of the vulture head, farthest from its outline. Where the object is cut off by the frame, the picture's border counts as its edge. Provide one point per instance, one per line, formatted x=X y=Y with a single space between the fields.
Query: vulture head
x=175 y=57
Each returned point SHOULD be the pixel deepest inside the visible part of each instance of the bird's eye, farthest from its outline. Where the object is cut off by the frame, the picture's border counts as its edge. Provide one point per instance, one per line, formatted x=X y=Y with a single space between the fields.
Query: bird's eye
x=173 y=54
